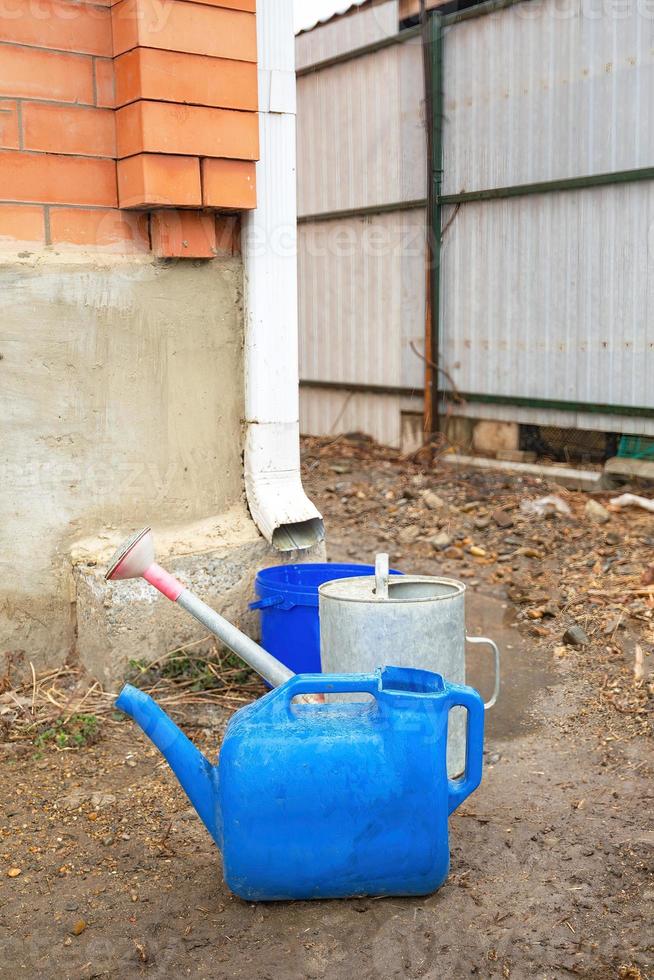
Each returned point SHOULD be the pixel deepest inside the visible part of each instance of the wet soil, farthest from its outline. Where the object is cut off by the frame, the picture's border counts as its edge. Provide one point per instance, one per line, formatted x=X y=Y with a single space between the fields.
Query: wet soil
x=552 y=858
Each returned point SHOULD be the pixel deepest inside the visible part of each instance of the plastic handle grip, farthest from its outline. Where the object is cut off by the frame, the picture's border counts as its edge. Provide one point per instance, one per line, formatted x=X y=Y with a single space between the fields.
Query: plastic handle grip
x=328 y=684
x=485 y=641
x=460 y=789
x=271 y=600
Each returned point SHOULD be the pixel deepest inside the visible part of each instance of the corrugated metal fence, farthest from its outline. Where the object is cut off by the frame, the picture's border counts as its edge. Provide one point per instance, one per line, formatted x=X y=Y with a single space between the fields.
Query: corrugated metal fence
x=361 y=199
x=546 y=277
x=547 y=206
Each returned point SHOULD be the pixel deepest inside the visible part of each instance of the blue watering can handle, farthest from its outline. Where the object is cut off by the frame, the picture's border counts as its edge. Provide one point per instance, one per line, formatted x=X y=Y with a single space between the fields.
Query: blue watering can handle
x=460 y=789
x=328 y=684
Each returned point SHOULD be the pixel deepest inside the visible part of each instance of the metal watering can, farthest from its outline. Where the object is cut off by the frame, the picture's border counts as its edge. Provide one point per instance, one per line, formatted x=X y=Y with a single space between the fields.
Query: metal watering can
x=408 y=620
x=319 y=800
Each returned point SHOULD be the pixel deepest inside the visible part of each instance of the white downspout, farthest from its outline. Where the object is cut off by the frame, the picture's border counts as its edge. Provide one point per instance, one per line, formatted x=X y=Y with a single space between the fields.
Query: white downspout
x=282 y=511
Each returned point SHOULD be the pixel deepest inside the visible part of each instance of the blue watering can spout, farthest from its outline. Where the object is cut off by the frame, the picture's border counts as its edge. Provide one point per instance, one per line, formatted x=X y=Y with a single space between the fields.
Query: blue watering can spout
x=197 y=777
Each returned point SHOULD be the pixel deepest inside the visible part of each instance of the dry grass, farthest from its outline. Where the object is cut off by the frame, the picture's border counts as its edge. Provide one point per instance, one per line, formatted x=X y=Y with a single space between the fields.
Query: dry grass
x=178 y=679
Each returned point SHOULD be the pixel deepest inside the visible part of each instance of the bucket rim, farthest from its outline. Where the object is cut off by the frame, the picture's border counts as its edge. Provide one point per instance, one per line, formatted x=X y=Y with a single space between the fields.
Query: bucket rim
x=458 y=589
x=266 y=583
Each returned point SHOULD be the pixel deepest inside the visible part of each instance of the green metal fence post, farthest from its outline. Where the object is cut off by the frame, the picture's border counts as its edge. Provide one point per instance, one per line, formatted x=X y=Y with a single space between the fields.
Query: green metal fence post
x=435 y=121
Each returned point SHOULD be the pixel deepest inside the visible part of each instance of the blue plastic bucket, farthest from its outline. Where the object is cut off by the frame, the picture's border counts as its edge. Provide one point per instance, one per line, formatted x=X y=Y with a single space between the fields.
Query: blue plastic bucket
x=288 y=609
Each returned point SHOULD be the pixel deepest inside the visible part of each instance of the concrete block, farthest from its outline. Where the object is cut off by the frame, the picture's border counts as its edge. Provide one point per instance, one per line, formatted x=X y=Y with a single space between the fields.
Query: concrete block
x=492 y=436
x=630 y=469
x=516 y=455
x=458 y=431
x=412 y=435
x=566 y=477
x=123 y=621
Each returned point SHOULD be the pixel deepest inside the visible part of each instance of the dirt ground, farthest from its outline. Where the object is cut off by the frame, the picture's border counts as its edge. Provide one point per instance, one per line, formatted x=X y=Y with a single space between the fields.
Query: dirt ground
x=107 y=872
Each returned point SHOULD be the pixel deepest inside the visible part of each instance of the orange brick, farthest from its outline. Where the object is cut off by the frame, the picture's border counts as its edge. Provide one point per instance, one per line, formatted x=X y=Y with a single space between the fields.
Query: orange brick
x=229 y=184
x=31 y=74
x=108 y=231
x=58 y=24
x=105 y=85
x=9 y=126
x=171 y=25
x=183 y=235
x=21 y=224
x=50 y=179
x=148 y=180
x=228 y=234
x=69 y=129
x=165 y=127
x=168 y=76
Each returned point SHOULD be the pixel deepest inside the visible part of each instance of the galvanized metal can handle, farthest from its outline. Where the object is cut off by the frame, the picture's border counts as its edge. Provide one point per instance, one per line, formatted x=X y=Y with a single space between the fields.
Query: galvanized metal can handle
x=485 y=641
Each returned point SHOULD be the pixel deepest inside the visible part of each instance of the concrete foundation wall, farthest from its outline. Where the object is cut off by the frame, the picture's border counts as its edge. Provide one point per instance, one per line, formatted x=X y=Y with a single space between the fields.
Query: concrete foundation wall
x=122 y=392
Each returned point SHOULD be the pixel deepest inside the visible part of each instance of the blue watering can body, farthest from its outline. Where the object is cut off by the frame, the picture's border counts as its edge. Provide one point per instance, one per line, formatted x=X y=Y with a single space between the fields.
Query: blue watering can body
x=330 y=800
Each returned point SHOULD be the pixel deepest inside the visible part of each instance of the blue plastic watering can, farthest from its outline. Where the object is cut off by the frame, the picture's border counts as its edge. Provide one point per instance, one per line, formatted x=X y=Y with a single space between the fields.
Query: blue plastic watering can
x=329 y=800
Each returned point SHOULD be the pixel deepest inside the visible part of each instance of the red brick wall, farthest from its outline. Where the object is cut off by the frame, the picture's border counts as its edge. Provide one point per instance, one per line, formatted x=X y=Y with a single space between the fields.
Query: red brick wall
x=116 y=116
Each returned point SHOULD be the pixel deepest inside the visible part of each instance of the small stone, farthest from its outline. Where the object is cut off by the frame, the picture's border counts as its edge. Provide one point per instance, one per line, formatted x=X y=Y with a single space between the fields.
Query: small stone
x=441 y=541
x=476 y=551
x=596 y=513
x=408 y=535
x=470 y=505
x=529 y=553
x=433 y=501
x=108 y=840
x=99 y=799
x=575 y=636
x=339 y=468
x=502 y=518
x=72 y=800
x=71 y=907
x=78 y=927
x=481 y=523
x=14 y=872
x=629 y=568
x=68 y=941
x=535 y=613
x=539 y=631
x=455 y=553
x=612 y=538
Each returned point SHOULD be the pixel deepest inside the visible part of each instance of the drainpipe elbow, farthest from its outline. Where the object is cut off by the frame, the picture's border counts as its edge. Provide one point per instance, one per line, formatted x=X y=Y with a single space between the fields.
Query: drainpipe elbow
x=277 y=500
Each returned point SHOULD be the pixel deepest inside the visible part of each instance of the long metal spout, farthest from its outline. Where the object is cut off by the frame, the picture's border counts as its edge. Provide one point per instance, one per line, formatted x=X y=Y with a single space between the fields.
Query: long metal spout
x=135 y=559
x=197 y=777
x=259 y=659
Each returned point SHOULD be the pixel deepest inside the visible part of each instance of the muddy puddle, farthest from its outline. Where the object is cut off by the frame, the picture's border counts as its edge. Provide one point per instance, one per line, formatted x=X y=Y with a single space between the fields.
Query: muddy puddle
x=525 y=670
